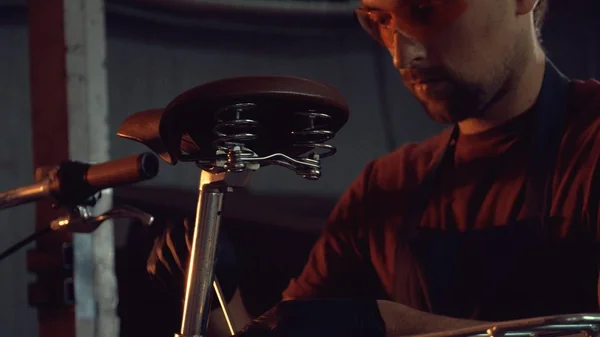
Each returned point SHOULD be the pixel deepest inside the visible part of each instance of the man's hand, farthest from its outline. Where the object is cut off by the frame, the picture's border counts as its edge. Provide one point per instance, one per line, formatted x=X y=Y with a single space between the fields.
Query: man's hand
x=319 y=318
x=401 y=320
x=349 y=318
x=170 y=253
x=169 y=257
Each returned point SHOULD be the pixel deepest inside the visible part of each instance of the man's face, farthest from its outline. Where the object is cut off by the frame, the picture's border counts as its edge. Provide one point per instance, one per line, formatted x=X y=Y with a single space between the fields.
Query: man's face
x=455 y=56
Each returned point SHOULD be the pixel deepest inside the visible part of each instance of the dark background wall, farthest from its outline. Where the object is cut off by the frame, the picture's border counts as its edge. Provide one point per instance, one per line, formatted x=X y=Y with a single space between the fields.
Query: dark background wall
x=153 y=56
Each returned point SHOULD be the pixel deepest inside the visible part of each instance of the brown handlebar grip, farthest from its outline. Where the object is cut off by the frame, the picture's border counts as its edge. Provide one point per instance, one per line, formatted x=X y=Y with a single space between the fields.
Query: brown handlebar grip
x=123 y=171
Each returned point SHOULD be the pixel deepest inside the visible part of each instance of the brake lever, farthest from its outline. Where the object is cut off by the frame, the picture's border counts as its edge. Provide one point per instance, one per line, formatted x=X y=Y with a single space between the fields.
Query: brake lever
x=80 y=220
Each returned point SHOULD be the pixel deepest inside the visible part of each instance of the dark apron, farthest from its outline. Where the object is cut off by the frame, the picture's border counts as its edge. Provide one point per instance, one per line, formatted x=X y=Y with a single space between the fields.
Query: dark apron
x=521 y=269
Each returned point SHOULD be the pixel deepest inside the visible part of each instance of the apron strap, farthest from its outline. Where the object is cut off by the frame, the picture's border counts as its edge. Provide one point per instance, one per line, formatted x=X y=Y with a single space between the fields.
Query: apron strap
x=550 y=110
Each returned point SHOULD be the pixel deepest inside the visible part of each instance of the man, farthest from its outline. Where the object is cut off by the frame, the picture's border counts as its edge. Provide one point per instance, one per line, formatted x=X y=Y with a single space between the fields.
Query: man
x=493 y=219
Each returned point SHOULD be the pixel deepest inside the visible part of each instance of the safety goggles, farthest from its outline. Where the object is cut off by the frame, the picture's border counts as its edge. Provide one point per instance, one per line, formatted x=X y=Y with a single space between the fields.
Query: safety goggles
x=415 y=18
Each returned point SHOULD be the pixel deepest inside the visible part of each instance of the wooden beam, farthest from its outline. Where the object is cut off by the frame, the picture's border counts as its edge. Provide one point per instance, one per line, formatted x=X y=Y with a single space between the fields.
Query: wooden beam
x=50 y=127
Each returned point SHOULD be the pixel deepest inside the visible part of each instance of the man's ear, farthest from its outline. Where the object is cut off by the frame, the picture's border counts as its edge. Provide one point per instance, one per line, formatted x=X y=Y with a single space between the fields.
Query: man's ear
x=525 y=6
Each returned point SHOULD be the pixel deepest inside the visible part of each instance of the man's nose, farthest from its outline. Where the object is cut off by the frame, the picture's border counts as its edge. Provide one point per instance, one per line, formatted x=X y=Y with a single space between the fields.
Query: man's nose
x=406 y=50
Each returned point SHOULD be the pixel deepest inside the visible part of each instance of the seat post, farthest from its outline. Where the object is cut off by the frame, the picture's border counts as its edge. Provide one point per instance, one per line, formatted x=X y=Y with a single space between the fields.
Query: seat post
x=200 y=273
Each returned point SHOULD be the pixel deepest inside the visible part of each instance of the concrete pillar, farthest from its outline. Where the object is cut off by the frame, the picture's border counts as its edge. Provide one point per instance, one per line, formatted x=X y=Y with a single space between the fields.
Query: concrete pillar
x=69 y=98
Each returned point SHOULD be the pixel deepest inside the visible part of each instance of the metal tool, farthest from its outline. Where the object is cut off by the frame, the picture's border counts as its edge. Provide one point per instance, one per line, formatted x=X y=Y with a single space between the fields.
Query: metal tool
x=563 y=325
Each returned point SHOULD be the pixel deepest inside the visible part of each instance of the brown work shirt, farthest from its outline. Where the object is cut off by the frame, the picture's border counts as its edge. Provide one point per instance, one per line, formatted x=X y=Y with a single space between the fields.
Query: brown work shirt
x=355 y=255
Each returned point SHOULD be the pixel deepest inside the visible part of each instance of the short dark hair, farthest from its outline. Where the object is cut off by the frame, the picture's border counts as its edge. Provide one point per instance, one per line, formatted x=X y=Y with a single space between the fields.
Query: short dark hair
x=539 y=13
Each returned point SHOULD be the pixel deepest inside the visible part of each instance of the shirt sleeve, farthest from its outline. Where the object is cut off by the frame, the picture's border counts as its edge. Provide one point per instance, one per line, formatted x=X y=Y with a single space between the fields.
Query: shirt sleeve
x=339 y=264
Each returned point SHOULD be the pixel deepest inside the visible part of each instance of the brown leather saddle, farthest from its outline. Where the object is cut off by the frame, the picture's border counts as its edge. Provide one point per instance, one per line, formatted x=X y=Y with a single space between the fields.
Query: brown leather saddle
x=275 y=106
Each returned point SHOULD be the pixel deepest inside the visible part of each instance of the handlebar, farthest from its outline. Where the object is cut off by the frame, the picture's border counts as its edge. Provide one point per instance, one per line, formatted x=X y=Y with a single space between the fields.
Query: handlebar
x=72 y=182
x=128 y=170
x=23 y=195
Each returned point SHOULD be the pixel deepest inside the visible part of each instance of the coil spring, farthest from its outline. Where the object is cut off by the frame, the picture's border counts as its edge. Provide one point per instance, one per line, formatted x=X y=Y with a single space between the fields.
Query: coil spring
x=234 y=130
x=314 y=135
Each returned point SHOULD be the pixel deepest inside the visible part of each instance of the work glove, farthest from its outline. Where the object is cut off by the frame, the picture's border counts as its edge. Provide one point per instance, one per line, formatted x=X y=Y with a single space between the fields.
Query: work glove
x=168 y=259
x=319 y=318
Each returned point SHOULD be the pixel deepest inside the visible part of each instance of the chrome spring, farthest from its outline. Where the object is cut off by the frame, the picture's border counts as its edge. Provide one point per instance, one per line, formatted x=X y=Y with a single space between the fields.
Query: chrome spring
x=234 y=130
x=314 y=135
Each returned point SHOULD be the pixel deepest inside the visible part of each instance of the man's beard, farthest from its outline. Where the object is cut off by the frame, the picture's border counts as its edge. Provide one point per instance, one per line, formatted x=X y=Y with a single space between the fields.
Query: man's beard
x=457 y=102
